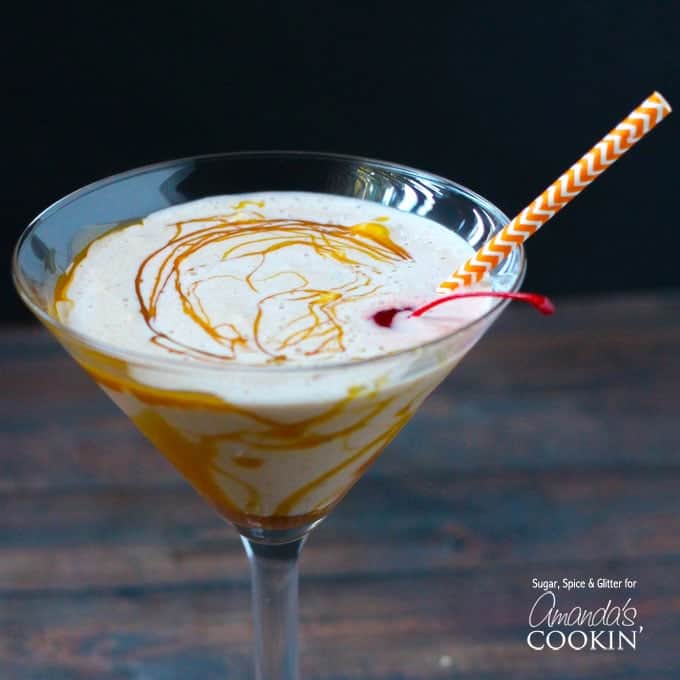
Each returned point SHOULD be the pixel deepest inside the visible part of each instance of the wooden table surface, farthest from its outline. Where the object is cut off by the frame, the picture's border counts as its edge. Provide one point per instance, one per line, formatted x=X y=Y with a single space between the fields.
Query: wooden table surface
x=552 y=452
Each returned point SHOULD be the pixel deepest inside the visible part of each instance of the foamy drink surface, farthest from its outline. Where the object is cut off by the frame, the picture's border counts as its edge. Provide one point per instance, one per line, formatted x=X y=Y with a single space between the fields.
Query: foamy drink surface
x=266 y=278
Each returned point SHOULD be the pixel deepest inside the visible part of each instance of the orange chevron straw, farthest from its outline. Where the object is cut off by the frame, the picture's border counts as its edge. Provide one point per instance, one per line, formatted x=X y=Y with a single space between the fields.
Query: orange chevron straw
x=566 y=187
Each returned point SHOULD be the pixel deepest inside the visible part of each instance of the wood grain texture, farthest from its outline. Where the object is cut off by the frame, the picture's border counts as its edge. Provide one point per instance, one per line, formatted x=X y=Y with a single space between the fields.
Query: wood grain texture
x=553 y=451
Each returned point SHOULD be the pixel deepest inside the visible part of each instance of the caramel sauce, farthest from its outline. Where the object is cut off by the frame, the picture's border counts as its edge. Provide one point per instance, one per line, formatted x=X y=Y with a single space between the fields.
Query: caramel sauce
x=246 y=235
x=375 y=447
x=248 y=462
x=196 y=457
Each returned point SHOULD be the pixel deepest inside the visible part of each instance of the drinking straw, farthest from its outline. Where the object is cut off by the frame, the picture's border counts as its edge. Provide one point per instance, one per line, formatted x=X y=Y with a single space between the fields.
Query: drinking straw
x=566 y=187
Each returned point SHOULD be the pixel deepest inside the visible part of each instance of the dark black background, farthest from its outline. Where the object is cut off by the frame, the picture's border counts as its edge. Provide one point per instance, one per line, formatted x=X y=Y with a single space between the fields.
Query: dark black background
x=501 y=96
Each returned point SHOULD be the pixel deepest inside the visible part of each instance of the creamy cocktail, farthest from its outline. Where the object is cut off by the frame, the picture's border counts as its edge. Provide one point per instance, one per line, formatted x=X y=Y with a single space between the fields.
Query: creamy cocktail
x=252 y=336
x=268 y=280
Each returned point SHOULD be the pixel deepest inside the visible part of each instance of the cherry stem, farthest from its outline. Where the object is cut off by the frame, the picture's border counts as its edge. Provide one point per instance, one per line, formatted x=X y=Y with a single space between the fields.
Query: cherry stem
x=539 y=302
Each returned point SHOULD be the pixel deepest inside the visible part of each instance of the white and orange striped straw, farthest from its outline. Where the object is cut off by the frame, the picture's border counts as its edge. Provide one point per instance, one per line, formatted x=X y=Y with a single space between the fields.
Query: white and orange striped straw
x=566 y=187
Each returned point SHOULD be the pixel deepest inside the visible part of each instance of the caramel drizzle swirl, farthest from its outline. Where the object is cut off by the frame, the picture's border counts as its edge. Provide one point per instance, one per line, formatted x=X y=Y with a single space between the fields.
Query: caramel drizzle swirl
x=251 y=237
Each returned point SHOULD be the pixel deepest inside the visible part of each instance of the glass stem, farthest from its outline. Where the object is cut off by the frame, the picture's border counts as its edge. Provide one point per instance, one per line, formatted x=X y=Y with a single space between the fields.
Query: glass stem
x=274 y=573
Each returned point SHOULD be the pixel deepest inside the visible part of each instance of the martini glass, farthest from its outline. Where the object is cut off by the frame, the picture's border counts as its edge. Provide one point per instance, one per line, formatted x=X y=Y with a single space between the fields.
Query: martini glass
x=270 y=458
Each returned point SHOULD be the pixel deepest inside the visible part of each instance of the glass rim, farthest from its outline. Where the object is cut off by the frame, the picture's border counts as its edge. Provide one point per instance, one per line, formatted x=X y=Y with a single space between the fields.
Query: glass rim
x=151 y=361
